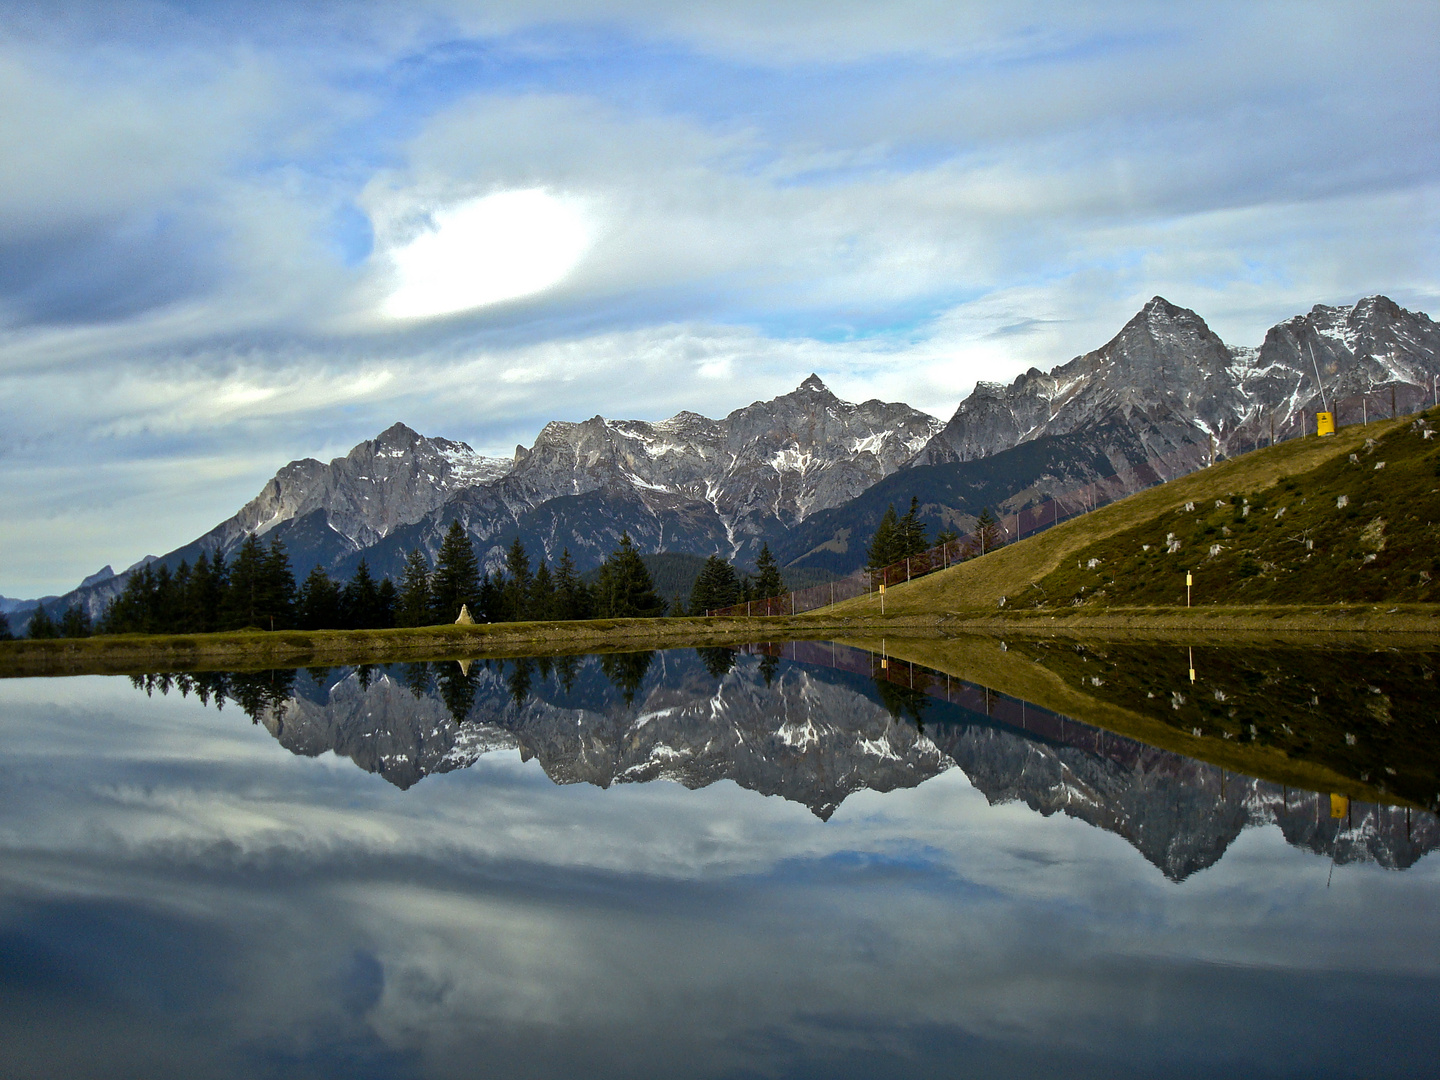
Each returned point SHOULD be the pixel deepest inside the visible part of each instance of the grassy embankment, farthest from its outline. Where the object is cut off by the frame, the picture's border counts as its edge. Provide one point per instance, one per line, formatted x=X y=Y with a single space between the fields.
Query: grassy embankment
x=253 y=649
x=1306 y=535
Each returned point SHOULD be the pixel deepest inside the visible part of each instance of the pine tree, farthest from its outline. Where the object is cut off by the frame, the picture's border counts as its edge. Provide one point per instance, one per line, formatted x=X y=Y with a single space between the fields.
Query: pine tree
x=385 y=599
x=360 y=601
x=457 y=576
x=885 y=542
x=986 y=534
x=414 y=605
x=624 y=589
x=573 y=599
x=768 y=582
x=492 y=598
x=5 y=632
x=42 y=626
x=542 y=593
x=318 y=607
x=911 y=532
x=180 y=619
x=516 y=590
x=76 y=622
x=246 y=590
x=210 y=591
x=716 y=586
x=277 y=588
x=129 y=613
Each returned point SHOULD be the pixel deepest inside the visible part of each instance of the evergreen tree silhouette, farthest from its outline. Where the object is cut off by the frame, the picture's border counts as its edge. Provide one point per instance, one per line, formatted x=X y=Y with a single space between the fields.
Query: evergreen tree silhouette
x=42 y=627
x=716 y=586
x=624 y=589
x=456 y=581
x=413 y=606
x=768 y=581
x=885 y=543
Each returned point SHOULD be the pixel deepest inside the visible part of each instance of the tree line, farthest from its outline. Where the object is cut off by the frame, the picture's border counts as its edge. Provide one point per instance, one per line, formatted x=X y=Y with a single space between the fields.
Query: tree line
x=256 y=589
x=900 y=537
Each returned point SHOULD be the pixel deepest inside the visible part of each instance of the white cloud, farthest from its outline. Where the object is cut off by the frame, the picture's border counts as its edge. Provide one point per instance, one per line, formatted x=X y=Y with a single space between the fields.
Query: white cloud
x=485 y=251
x=903 y=197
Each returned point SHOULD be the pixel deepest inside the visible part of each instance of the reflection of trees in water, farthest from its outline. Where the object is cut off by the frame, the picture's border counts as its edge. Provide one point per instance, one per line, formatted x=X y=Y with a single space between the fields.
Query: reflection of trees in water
x=902 y=701
x=566 y=669
x=457 y=683
x=522 y=674
x=256 y=692
x=769 y=666
x=416 y=678
x=717 y=661
x=626 y=671
x=320 y=676
x=365 y=673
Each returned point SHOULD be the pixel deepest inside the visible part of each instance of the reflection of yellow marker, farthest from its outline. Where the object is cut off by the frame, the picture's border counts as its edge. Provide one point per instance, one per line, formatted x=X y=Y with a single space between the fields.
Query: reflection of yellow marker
x=1324 y=423
x=1339 y=804
x=1192 y=660
x=1188 y=582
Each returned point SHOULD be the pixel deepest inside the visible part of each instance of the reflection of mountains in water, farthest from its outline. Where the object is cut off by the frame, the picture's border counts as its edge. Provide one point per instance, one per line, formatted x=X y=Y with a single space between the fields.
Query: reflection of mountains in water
x=807 y=722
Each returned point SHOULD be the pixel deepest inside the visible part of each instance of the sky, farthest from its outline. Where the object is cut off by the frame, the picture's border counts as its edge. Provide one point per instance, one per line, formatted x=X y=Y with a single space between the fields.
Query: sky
x=233 y=234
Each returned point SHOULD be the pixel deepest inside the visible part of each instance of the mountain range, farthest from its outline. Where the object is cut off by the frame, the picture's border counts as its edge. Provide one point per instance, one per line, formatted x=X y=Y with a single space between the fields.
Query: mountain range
x=810 y=474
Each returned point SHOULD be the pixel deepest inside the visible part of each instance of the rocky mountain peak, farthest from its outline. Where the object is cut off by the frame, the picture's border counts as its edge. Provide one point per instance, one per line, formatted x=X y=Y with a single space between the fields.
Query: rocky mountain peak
x=813 y=382
x=1158 y=309
x=1166 y=382
x=397 y=434
x=105 y=573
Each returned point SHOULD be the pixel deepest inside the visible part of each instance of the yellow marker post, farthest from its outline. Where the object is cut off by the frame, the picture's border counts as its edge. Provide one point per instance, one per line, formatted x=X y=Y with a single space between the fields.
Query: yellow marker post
x=1324 y=423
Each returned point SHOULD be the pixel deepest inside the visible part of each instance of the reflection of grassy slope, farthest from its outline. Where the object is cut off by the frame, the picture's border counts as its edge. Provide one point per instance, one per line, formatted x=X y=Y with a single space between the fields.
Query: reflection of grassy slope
x=1369 y=715
x=1045 y=562
x=1271 y=688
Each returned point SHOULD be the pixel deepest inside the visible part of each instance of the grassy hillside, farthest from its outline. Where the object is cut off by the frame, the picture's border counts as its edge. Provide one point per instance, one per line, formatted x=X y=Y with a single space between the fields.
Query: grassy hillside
x=1380 y=545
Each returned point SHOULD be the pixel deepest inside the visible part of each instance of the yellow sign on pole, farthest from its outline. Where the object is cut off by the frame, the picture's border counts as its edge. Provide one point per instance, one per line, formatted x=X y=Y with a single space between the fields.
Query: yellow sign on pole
x=1324 y=423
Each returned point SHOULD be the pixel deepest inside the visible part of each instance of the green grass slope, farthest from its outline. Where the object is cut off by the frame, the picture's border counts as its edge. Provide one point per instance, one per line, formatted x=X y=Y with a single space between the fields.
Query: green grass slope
x=1225 y=524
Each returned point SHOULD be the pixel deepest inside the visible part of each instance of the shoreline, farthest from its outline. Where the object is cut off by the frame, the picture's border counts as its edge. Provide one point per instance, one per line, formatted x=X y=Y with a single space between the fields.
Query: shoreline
x=1417 y=624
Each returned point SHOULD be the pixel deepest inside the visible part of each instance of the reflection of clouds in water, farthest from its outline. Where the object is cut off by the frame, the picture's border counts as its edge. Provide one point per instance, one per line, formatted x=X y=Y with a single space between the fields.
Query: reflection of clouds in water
x=490 y=915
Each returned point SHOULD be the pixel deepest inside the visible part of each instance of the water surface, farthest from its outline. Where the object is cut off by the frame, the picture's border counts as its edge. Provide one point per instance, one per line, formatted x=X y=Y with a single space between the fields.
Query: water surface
x=771 y=862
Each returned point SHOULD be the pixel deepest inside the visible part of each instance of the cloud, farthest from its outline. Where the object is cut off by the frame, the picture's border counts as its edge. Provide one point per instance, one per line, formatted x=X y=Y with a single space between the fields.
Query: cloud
x=198 y=225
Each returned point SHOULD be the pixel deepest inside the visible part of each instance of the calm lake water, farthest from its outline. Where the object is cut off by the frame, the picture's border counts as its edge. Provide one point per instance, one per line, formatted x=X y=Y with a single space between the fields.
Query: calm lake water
x=758 y=863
